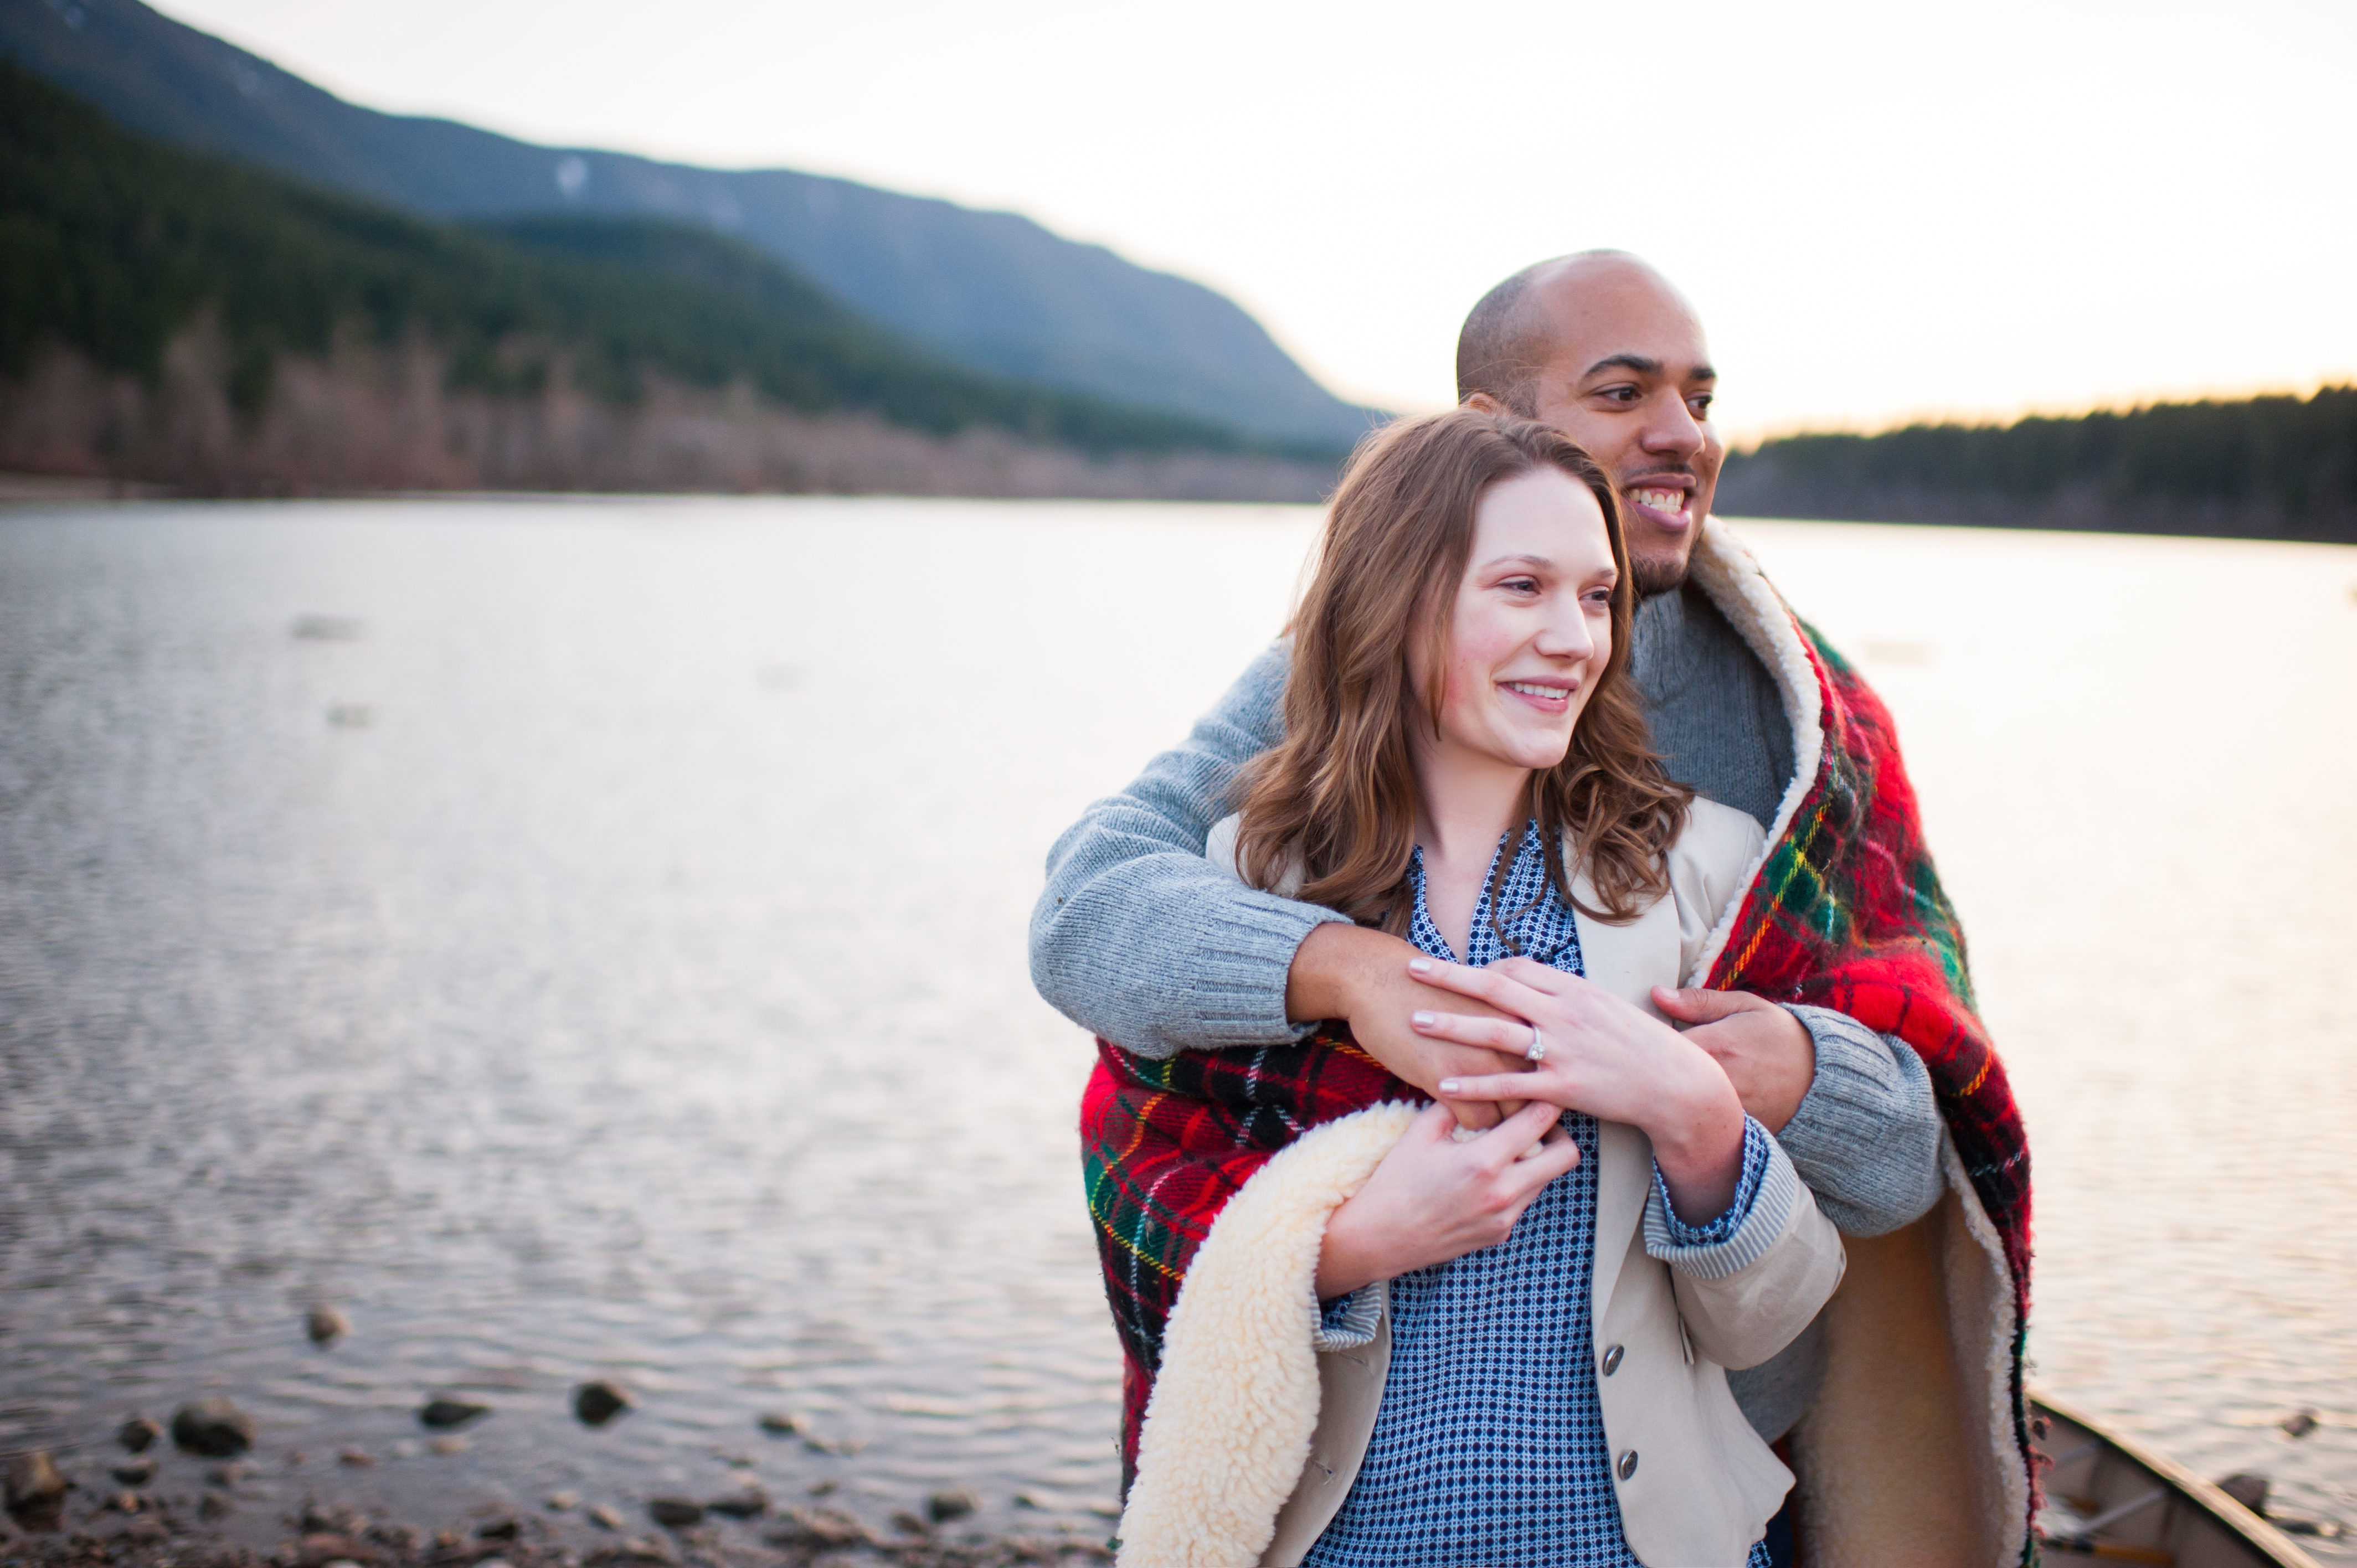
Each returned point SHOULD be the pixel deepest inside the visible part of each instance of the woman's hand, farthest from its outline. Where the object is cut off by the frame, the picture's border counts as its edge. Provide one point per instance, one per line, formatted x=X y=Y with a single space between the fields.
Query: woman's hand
x=1605 y=1057
x=1434 y=1198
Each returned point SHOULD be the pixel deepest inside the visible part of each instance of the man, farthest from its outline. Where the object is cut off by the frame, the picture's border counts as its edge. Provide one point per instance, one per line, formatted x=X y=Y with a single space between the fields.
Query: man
x=1141 y=941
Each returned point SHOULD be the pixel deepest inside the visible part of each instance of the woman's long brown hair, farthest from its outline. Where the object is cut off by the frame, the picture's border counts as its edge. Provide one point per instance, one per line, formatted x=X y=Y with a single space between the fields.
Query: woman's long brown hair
x=1336 y=797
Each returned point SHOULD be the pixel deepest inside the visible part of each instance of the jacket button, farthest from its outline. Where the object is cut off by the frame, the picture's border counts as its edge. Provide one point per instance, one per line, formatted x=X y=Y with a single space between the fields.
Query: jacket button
x=1628 y=1466
x=1612 y=1360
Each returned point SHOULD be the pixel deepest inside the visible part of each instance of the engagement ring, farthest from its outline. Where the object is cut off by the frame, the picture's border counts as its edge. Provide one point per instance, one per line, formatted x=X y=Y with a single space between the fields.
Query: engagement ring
x=1537 y=1053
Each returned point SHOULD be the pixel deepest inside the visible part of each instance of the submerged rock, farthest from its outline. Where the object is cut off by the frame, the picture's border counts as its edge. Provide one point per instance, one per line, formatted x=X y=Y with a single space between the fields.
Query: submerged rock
x=674 y=1513
x=448 y=1412
x=747 y=1502
x=137 y=1473
x=955 y=1503
x=2299 y=1423
x=783 y=1424
x=2248 y=1488
x=138 y=1433
x=326 y=1325
x=599 y=1402
x=214 y=1427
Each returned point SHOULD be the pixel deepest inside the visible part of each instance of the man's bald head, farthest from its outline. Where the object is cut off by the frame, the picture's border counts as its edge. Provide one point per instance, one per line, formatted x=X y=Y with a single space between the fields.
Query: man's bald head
x=1604 y=348
x=1511 y=333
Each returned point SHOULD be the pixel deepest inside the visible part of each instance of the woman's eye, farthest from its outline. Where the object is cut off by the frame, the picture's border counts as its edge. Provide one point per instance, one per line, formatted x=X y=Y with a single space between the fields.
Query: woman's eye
x=1521 y=585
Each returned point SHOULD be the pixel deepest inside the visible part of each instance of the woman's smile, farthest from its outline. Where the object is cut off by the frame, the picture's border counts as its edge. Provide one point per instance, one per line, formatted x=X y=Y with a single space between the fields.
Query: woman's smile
x=1550 y=697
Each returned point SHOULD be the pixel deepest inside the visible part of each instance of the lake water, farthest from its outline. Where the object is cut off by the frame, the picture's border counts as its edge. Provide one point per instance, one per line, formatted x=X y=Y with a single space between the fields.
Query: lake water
x=584 y=938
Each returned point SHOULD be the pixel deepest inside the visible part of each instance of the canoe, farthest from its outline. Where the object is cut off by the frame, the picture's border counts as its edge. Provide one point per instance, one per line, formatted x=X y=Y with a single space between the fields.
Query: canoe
x=2110 y=1499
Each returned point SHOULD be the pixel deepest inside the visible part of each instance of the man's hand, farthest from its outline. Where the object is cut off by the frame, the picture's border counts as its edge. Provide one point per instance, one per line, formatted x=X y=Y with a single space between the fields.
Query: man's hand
x=1361 y=976
x=1767 y=1053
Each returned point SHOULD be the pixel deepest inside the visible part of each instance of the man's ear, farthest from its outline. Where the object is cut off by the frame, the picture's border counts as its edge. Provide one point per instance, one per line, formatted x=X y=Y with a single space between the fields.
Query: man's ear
x=1482 y=403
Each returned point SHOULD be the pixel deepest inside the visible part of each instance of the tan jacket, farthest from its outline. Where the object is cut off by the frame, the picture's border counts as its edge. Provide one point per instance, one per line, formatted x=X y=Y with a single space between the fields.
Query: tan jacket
x=1252 y=1440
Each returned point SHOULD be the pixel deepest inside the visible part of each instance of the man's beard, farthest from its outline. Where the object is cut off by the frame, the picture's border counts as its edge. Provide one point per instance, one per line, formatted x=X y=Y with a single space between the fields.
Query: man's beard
x=1653 y=577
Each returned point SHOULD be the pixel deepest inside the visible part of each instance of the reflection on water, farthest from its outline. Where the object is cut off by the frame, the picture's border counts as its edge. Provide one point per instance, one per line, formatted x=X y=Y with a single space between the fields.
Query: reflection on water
x=585 y=938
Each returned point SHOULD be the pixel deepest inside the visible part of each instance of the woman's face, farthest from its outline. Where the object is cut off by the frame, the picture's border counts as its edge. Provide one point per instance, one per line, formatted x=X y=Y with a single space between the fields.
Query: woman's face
x=1532 y=624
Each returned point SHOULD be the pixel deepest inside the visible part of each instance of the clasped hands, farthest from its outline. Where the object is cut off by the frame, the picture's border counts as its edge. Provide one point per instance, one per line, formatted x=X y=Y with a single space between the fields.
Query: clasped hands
x=1466 y=1035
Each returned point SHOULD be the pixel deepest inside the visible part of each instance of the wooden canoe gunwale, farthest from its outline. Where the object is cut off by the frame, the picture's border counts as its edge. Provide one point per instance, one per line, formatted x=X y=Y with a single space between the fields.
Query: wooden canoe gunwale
x=2264 y=1543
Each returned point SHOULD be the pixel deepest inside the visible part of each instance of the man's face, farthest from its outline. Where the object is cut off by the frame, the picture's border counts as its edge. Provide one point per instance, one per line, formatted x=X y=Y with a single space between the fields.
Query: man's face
x=1630 y=381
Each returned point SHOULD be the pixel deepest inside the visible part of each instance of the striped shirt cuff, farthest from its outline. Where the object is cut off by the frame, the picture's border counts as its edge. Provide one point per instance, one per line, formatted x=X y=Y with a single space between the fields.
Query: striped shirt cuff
x=1348 y=1322
x=1739 y=1238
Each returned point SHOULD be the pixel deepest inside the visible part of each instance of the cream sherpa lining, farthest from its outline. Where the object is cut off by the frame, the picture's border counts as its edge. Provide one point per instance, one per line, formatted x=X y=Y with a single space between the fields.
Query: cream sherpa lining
x=1235 y=1403
x=1847 y=1502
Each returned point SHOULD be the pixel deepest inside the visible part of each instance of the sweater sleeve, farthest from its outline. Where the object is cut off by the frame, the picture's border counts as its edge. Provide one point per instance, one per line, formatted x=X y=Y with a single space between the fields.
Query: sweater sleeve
x=1139 y=939
x=1866 y=1135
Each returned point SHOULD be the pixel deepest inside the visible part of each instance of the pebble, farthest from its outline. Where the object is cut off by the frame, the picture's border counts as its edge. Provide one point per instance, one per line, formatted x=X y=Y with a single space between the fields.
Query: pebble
x=505 y=1529
x=137 y=1472
x=358 y=1458
x=455 y=1443
x=907 y=1523
x=606 y=1518
x=599 y=1402
x=2299 y=1423
x=326 y=1325
x=320 y=1548
x=126 y=1502
x=674 y=1513
x=213 y=1506
x=35 y=1489
x=783 y=1424
x=214 y=1427
x=563 y=1502
x=955 y=1503
x=227 y=1475
x=138 y=1433
x=444 y=1412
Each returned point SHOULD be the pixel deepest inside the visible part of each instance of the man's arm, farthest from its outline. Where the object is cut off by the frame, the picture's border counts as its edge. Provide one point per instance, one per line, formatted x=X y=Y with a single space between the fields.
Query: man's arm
x=1138 y=937
x=1866 y=1136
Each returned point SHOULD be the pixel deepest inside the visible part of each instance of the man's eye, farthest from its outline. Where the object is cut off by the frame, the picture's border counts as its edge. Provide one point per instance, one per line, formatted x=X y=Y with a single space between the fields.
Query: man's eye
x=1702 y=405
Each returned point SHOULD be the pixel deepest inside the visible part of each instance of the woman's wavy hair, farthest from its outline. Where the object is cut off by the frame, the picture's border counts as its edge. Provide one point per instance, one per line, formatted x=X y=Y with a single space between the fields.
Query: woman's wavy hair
x=1336 y=797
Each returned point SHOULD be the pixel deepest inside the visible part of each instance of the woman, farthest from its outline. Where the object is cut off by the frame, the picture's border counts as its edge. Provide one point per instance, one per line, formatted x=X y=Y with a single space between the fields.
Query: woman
x=1520 y=1354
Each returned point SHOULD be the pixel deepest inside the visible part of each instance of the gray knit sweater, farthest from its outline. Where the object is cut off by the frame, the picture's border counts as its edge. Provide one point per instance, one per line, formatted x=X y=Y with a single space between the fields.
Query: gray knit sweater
x=1139 y=939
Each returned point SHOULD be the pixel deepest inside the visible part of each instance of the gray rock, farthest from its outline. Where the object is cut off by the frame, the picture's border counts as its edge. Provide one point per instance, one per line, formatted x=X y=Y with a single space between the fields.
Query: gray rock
x=599 y=1402
x=135 y=1473
x=326 y=1325
x=214 y=1427
x=2248 y=1488
x=138 y=1433
x=450 y=1413
x=783 y=1424
x=674 y=1513
x=506 y=1529
x=955 y=1503
x=35 y=1490
x=2299 y=1423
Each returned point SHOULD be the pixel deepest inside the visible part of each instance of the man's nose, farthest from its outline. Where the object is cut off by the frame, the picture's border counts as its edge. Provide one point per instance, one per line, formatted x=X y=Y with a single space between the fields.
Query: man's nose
x=1671 y=428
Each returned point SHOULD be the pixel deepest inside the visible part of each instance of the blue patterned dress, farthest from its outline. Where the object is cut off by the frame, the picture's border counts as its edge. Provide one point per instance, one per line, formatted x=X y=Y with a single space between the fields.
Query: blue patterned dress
x=1488 y=1447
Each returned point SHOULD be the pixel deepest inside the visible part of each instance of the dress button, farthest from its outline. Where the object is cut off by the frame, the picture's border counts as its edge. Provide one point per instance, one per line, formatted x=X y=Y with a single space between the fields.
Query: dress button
x=1612 y=1360
x=1628 y=1466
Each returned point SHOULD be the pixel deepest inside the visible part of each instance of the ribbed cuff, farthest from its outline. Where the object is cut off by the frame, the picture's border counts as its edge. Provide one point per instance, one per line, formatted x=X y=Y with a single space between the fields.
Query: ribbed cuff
x=1349 y=1323
x=1739 y=1238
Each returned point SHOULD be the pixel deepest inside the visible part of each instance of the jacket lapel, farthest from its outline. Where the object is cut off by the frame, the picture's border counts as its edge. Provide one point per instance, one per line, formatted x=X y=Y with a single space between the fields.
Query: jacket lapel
x=1629 y=961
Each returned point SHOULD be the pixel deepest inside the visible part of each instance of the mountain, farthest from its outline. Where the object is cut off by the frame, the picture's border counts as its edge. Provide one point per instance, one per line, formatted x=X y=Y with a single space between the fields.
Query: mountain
x=991 y=290
x=2263 y=467
x=175 y=318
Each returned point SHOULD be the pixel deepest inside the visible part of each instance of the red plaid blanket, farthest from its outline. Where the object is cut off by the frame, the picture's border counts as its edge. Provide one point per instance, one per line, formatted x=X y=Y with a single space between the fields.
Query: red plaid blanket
x=1847 y=913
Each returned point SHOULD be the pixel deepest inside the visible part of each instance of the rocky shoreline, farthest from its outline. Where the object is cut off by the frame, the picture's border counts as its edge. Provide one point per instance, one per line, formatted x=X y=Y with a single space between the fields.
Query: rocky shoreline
x=111 y=1511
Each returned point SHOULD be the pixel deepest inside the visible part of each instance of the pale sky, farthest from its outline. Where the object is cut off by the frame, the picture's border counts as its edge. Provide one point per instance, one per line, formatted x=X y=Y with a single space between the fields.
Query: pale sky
x=1881 y=210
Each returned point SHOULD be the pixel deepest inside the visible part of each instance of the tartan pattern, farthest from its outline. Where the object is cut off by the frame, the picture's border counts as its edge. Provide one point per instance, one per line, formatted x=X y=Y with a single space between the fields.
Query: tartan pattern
x=1846 y=913
x=1164 y=1145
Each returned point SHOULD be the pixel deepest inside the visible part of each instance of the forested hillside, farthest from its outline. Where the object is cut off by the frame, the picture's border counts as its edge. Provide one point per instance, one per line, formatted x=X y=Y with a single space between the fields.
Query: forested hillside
x=165 y=271
x=990 y=290
x=2267 y=467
